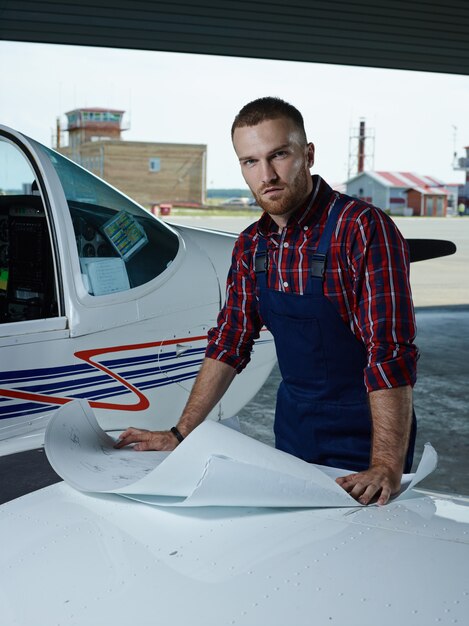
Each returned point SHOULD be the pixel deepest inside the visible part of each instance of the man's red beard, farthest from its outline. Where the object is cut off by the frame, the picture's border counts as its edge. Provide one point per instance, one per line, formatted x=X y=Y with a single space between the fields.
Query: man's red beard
x=292 y=196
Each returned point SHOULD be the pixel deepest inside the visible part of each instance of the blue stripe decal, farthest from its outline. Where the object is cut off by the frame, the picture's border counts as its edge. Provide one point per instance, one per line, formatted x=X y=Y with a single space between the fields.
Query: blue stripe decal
x=52 y=372
x=136 y=360
x=97 y=379
x=110 y=391
x=91 y=377
x=73 y=370
x=52 y=388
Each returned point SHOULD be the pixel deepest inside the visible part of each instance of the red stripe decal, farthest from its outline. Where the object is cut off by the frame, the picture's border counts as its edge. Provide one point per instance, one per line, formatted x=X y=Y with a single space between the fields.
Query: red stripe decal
x=87 y=356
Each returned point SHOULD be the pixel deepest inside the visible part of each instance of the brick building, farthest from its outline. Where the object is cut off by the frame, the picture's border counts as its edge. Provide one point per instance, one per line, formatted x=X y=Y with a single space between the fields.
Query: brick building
x=426 y=201
x=149 y=172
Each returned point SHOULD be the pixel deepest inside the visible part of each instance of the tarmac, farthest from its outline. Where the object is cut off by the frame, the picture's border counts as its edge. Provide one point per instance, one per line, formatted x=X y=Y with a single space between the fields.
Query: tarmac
x=441 y=295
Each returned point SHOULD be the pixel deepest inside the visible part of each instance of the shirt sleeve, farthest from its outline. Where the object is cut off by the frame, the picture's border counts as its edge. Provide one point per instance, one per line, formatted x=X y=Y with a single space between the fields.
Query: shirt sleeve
x=383 y=312
x=238 y=323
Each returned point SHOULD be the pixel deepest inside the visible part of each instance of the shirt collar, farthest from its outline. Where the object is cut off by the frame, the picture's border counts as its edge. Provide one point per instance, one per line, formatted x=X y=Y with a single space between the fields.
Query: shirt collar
x=306 y=215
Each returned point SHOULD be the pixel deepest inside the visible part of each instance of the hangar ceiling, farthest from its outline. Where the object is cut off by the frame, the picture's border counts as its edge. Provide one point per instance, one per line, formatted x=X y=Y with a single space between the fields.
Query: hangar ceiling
x=428 y=35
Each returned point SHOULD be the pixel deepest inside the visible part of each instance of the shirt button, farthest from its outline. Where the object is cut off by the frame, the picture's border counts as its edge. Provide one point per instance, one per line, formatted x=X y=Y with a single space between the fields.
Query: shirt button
x=285 y=284
x=285 y=245
x=305 y=228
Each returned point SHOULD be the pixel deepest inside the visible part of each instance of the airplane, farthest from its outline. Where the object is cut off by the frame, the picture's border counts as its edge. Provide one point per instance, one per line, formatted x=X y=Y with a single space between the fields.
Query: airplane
x=104 y=302
x=101 y=300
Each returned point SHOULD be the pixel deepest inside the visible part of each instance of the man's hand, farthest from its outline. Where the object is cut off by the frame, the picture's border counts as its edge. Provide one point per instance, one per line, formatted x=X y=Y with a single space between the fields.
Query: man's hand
x=213 y=380
x=147 y=439
x=379 y=481
x=391 y=415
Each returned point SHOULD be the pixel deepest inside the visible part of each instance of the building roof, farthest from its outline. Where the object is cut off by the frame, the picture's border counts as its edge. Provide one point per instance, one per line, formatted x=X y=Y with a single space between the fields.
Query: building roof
x=430 y=191
x=403 y=179
x=95 y=110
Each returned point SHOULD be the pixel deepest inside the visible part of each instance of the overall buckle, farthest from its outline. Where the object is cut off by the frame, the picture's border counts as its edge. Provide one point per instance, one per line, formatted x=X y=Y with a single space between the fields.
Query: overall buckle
x=318 y=265
x=260 y=262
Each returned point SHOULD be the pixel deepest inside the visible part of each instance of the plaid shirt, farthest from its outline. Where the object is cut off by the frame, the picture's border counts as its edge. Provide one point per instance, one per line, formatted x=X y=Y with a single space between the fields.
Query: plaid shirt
x=367 y=281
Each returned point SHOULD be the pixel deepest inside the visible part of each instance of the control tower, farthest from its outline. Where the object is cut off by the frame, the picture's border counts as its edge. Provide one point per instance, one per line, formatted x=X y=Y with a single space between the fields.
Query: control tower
x=462 y=163
x=92 y=125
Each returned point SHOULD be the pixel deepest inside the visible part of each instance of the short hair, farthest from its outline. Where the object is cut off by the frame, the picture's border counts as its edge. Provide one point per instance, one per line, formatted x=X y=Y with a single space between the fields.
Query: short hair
x=268 y=108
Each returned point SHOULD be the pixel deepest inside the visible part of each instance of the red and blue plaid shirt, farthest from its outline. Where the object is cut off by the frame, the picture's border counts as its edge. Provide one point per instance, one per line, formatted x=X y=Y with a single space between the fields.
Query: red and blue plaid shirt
x=367 y=280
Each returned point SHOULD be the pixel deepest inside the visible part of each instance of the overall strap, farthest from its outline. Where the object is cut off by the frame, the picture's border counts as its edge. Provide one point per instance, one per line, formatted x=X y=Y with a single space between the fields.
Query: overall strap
x=319 y=258
x=261 y=263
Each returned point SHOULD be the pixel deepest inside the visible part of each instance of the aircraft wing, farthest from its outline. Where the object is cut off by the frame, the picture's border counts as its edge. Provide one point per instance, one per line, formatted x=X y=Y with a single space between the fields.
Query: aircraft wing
x=84 y=559
x=424 y=249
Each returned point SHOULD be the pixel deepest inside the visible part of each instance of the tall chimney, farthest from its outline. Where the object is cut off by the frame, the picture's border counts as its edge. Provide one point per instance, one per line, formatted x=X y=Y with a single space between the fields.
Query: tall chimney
x=361 y=147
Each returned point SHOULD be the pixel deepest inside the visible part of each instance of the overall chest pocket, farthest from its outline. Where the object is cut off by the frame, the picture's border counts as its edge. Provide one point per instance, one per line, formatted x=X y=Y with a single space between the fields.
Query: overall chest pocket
x=300 y=350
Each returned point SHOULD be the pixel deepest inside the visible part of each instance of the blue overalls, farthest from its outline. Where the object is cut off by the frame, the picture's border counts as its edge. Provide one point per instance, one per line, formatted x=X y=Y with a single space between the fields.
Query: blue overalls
x=322 y=413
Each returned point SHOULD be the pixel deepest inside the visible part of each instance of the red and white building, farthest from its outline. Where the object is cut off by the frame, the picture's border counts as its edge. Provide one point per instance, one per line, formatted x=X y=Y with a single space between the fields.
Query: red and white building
x=404 y=193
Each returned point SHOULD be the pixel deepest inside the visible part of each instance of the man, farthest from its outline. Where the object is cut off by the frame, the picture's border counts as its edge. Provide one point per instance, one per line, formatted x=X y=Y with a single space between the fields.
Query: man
x=329 y=276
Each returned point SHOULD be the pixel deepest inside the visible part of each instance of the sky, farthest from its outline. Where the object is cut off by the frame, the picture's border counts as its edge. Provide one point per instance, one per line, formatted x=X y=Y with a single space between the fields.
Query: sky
x=418 y=118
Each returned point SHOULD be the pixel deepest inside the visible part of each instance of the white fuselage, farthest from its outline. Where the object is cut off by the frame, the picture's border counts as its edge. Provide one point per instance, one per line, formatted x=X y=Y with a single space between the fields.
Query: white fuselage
x=133 y=351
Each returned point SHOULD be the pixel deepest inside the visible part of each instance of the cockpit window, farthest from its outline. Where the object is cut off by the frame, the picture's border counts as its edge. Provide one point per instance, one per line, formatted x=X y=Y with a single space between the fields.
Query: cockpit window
x=120 y=245
x=28 y=289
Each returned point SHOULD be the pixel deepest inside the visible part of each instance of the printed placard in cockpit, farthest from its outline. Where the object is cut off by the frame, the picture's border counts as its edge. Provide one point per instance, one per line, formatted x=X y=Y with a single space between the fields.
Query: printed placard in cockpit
x=125 y=233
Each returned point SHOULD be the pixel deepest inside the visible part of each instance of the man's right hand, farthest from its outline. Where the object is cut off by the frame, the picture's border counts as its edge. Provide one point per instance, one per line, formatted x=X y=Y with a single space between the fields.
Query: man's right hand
x=212 y=381
x=147 y=439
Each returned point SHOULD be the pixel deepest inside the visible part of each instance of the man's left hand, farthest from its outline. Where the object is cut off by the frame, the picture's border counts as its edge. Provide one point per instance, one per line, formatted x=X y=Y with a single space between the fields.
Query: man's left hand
x=147 y=439
x=379 y=481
